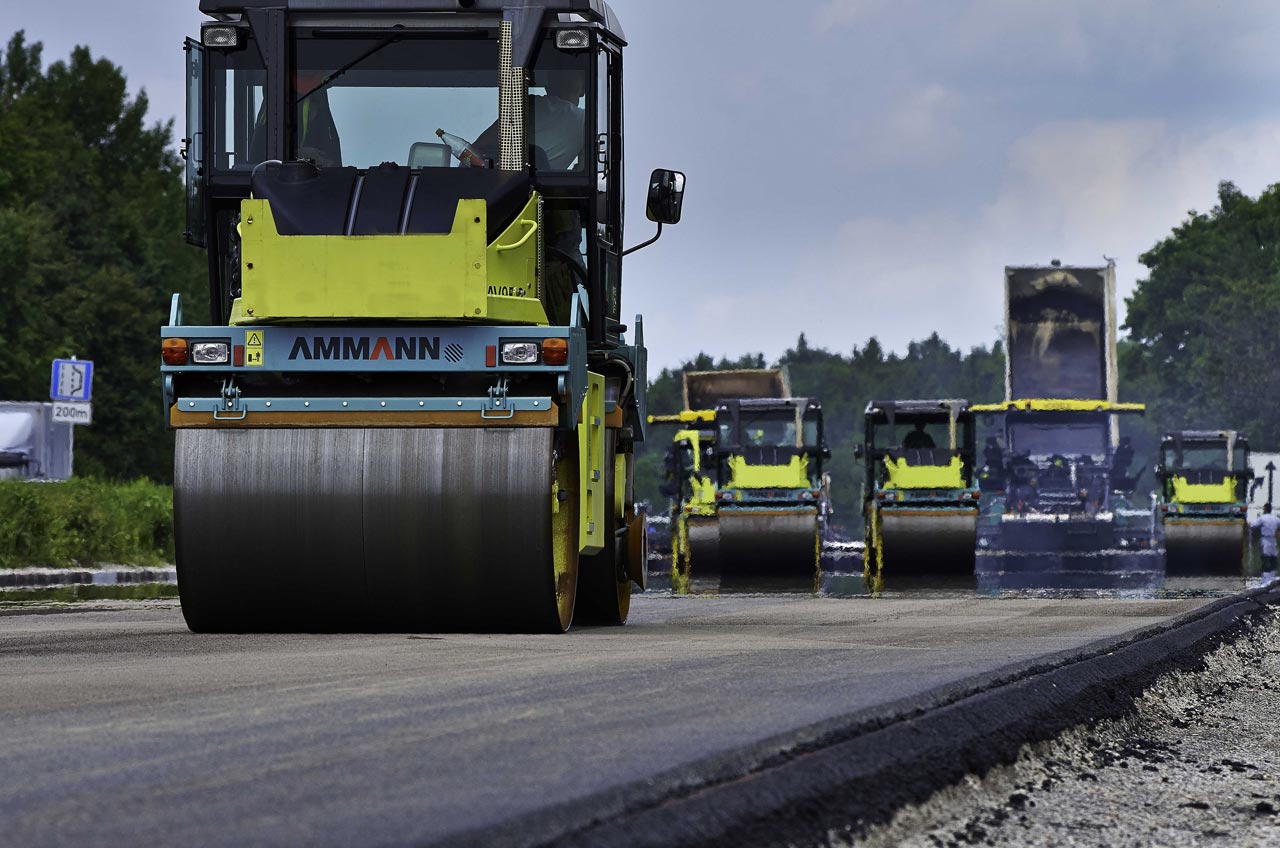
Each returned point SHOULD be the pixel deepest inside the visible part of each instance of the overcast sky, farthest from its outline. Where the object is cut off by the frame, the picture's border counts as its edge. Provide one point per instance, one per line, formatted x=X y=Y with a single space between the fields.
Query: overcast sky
x=867 y=167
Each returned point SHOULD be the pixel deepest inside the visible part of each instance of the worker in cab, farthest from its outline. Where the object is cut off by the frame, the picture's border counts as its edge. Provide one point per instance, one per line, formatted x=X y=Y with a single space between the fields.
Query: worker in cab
x=918 y=439
x=558 y=122
x=316 y=134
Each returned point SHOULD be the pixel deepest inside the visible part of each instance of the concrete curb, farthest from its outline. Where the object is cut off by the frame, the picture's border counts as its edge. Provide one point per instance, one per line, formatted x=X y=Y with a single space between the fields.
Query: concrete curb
x=800 y=787
x=47 y=578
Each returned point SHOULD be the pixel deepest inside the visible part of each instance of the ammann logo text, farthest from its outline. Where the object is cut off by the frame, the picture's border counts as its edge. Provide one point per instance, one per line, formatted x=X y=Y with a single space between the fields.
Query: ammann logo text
x=366 y=349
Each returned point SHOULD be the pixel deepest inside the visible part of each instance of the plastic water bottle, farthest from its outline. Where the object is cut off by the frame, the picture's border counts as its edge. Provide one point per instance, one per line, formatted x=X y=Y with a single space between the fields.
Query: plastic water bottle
x=462 y=149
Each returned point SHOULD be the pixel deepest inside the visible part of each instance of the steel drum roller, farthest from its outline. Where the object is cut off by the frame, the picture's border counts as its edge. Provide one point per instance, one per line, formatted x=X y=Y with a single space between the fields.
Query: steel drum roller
x=769 y=543
x=920 y=543
x=392 y=530
x=1204 y=548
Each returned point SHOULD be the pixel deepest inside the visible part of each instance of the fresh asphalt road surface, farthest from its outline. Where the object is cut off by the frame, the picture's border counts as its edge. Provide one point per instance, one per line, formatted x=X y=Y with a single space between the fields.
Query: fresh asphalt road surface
x=120 y=727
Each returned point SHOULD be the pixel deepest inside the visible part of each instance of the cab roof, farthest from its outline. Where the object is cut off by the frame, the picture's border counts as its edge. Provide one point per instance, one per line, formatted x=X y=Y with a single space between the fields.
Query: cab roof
x=906 y=408
x=595 y=11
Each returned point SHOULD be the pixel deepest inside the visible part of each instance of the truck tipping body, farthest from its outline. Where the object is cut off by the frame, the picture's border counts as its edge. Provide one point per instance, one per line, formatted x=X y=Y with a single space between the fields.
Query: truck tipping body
x=1057 y=510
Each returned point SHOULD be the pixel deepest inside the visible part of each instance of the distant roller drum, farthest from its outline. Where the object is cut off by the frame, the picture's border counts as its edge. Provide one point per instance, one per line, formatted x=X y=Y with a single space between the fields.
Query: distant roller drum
x=923 y=544
x=1204 y=548
x=413 y=530
x=768 y=543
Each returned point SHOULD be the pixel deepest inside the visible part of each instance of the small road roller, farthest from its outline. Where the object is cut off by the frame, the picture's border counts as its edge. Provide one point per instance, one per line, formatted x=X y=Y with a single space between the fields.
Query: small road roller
x=750 y=499
x=1206 y=484
x=414 y=403
x=920 y=494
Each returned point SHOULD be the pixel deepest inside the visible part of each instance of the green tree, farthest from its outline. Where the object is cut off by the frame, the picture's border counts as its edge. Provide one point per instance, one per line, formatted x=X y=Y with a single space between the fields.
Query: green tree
x=91 y=208
x=1204 y=349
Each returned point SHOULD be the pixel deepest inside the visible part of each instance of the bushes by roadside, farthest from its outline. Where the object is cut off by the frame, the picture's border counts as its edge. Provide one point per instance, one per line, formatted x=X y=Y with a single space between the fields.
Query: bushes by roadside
x=83 y=523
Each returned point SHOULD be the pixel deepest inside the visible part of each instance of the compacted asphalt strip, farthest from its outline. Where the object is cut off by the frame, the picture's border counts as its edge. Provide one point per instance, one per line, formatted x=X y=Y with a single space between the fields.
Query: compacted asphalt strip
x=119 y=727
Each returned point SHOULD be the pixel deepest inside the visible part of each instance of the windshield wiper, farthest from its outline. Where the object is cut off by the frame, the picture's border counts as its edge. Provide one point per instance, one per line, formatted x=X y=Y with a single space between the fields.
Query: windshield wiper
x=333 y=76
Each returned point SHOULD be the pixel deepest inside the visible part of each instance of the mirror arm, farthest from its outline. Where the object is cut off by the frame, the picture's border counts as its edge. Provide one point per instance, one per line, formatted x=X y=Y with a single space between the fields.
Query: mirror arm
x=643 y=245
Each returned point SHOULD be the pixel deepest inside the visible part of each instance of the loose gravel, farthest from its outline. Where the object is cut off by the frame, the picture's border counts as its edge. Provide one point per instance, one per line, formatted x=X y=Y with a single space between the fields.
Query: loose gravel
x=1196 y=763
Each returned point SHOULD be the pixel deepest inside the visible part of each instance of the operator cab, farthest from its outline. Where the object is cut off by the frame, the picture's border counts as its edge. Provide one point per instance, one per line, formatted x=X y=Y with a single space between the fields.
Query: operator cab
x=919 y=434
x=771 y=430
x=356 y=121
x=1212 y=464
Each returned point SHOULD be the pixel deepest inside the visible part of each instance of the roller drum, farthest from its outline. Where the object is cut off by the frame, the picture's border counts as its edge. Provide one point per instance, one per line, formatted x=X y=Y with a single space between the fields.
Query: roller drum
x=1204 y=548
x=927 y=545
x=768 y=545
x=372 y=530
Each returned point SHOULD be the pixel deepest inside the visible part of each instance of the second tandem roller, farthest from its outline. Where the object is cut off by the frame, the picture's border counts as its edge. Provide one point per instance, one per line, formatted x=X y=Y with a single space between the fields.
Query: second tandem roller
x=413 y=407
x=1205 y=486
x=919 y=492
x=750 y=500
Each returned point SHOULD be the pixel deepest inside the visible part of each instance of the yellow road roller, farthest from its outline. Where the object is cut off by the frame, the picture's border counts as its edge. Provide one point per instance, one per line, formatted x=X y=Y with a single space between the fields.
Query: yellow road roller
x=920 y=495
x=750 y=499
x=1205 y=486
x=413 y=404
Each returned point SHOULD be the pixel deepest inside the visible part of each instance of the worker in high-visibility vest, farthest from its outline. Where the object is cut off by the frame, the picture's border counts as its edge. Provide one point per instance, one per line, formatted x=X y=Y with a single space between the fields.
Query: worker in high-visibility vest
x=316 y=134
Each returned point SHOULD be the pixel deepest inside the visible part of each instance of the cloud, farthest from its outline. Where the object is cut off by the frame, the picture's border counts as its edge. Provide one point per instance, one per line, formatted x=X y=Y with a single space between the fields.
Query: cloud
x=835 y=14
x=1071 y=190
x=919 y=127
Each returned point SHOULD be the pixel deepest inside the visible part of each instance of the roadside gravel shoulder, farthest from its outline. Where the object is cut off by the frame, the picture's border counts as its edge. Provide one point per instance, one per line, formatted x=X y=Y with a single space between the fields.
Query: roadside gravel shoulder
x=1196 y=763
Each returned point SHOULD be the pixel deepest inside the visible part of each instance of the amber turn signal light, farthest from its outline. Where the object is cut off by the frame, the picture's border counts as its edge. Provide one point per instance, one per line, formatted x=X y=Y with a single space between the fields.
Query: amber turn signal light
x=175 y=352
x=555 y=351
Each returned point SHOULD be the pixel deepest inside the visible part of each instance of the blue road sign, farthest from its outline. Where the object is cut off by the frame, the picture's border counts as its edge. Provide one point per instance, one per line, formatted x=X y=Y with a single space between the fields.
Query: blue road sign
x=72 y=380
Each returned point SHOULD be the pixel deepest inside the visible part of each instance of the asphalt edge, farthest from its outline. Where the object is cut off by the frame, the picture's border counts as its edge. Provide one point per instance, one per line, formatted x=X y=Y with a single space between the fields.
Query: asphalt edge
x=802 y=786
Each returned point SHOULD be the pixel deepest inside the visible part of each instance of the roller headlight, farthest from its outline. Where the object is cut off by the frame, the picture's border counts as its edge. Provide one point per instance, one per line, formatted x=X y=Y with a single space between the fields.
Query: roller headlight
x=211 y=353
x=520 y=353
x=220 y=37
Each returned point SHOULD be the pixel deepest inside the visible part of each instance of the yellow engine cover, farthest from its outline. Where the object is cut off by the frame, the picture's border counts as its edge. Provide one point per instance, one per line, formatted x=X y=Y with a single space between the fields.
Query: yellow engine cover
x=455 y=276
x=904 y=476
x=1212 y=493
x=793 y=475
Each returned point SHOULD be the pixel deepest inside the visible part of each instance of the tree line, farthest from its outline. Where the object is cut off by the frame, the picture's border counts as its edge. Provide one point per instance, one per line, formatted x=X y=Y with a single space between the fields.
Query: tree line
x=91 y=221
x=91 y=249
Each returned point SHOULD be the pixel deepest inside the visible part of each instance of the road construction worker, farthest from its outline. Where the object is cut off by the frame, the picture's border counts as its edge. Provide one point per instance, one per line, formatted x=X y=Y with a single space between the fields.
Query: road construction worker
x=559 y=123
x=1269 y=524
x=316 y=133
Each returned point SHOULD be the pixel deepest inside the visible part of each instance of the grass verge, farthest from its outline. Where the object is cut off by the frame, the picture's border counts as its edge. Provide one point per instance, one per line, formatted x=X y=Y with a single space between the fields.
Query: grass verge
x=83 y=523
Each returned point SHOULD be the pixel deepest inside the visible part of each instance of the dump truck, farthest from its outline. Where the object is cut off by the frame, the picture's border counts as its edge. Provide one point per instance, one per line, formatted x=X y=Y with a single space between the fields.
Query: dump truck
x=1206 y=483
x=414 y=402
x=750 y=499
x=1058 y=508
x=920 y=491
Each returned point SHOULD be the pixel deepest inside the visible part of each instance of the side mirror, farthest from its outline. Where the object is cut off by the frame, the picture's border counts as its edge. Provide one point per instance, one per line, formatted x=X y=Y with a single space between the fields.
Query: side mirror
x=666 y=196
x=859 y=452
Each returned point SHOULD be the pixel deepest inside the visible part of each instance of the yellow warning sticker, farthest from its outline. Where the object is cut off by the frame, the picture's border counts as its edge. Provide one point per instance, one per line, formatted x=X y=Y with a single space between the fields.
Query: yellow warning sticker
x=253 y=356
